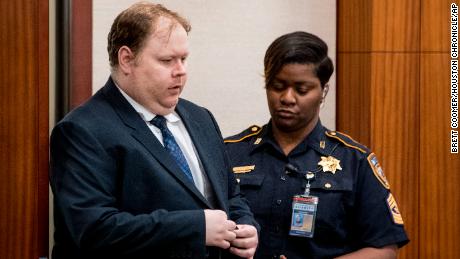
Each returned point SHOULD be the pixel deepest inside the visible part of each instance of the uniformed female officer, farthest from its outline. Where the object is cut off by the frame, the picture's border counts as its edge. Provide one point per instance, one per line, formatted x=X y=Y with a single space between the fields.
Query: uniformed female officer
x=316 y=193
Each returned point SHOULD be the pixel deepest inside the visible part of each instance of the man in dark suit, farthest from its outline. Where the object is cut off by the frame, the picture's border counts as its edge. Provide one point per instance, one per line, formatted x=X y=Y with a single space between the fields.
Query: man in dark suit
x=137 y=172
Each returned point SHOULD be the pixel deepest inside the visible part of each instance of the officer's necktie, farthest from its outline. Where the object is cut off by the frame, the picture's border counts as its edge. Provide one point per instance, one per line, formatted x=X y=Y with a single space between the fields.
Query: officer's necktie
x=171 y=145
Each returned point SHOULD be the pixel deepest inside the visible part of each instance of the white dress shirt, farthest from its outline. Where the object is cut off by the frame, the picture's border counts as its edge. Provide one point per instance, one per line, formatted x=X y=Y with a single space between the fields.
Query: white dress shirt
x=177 y=128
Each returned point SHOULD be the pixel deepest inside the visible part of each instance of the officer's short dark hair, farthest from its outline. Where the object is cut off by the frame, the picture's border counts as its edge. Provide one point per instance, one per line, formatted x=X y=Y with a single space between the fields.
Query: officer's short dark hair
x=298 y=48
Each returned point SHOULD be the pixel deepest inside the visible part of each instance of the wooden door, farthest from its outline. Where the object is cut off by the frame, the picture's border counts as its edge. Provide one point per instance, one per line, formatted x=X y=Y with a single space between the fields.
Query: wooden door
x=24 y=129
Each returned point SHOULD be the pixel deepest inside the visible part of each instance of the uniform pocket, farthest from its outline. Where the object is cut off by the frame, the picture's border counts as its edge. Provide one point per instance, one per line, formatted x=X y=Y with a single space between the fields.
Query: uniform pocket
x=250 y=180
x=251 y=189
x=335 y=207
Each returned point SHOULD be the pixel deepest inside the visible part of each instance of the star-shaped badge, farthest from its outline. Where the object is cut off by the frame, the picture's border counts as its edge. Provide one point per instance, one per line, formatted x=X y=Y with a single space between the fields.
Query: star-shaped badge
x=330 y=164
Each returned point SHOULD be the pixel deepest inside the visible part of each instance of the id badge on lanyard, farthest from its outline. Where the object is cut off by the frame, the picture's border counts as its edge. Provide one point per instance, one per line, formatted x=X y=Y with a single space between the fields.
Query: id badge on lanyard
x=303 y=215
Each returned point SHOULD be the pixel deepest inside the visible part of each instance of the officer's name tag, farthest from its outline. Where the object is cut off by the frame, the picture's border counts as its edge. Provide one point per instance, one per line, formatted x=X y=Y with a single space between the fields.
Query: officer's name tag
x=303 y=215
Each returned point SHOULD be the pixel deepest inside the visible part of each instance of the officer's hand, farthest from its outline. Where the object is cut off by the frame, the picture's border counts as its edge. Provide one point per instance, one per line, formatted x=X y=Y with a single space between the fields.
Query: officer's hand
x=219 y=230
x=246 y=241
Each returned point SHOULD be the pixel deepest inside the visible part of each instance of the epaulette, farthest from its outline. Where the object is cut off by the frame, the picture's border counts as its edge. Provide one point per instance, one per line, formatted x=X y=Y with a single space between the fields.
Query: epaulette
x=347 y=141
x=247 y=133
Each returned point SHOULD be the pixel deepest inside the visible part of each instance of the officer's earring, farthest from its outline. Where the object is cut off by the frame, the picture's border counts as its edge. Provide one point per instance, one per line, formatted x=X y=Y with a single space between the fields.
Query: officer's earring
x=324 y=93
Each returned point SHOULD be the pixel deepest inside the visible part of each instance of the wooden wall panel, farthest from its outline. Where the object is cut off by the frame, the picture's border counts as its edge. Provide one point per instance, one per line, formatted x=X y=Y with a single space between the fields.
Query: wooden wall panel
x=435 y=25
x=389 y=67
x=439 y=192
x=395 y=131
x=439 y=177
x=354 y=23
x=390 y=25
x=354 y=74
x=81 y=52
x=409 y=111
x=395 y=25
x=24 y=129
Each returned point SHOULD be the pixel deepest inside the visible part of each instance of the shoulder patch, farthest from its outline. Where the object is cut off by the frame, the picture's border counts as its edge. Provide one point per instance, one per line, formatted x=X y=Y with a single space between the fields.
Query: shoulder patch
x=249 y=132
x=393 y=207
x=377 y=169
x=347 y=141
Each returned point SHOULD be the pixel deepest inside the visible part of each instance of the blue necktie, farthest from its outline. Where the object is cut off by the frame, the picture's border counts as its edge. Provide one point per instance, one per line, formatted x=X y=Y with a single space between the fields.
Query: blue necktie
x=171 y=145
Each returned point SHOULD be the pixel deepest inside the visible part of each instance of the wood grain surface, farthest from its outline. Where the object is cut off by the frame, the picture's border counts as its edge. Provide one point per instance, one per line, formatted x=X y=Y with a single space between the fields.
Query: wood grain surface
x=24 y=129
x=393 y=73
x=439 y=171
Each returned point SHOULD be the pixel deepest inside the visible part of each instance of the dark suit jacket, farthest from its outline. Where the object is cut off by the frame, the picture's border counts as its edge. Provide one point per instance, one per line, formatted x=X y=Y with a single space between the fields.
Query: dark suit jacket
x=118 y=193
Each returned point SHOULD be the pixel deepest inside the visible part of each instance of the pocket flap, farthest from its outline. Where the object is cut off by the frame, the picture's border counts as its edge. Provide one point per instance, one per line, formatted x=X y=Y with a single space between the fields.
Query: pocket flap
x=250 y=179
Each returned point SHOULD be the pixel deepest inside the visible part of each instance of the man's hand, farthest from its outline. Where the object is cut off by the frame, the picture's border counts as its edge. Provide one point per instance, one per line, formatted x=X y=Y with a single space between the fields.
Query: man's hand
x=246 y=241
x=219 y=230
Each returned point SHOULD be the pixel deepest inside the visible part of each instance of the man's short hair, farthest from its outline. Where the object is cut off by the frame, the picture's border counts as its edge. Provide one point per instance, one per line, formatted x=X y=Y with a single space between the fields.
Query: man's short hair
x=132 y=27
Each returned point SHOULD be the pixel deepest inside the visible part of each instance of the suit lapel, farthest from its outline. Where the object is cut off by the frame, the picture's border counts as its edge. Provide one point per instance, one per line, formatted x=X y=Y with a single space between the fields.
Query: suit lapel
x=201 y=142
x=143 y=135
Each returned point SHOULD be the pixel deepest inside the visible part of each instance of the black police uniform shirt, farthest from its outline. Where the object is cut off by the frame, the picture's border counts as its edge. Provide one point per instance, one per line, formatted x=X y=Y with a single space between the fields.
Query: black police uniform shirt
x=356 y=208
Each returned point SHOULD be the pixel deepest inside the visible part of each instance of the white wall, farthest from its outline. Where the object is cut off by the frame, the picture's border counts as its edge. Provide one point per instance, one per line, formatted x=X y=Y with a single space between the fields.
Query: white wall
x=227 y=43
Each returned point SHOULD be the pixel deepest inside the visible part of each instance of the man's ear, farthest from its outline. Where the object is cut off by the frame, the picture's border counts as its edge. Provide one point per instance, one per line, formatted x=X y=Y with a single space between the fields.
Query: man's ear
x=125 y=59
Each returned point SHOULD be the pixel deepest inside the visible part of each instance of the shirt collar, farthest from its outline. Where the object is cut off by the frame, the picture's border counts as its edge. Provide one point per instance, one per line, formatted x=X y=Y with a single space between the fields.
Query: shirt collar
x=315 y=140
x=318 y=141
x=265 y=139
x=145 y=114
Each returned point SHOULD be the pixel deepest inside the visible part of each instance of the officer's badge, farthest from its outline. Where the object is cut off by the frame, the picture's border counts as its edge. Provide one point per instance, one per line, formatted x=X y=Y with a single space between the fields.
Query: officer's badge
x=243 y=169
x=377 y=169
x=393 y=207
x=330 y=164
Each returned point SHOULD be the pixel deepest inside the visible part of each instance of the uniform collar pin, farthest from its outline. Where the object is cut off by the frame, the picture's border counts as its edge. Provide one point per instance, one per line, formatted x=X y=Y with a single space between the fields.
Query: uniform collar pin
x=322 y=144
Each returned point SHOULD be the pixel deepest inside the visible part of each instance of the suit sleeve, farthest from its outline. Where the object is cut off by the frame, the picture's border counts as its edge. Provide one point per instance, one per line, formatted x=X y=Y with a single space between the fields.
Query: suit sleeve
x=85 y=181
x=239 y=210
